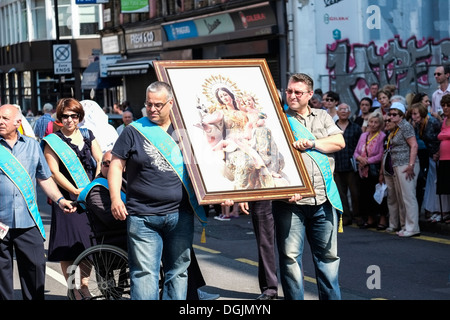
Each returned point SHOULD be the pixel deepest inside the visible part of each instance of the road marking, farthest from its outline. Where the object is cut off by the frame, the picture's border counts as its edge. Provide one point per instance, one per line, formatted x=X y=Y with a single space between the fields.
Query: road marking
x=205 y=249
x=247 y=261
x=56 y=275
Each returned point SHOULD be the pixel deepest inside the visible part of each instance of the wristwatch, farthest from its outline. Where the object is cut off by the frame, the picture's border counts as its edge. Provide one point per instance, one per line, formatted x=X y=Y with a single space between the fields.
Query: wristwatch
x=313 y=144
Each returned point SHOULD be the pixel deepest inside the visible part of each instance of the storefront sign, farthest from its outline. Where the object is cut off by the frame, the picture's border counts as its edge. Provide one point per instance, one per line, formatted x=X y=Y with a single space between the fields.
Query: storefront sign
x=254 y=17
x=134 y=6
x=143 y=39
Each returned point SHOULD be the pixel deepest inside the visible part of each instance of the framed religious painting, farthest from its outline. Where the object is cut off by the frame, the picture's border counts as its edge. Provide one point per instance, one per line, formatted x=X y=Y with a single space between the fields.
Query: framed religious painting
x=235 y=138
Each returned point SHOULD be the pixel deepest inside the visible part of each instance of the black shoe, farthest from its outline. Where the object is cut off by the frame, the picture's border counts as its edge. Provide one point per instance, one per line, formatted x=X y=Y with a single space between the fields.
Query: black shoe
x=267 y=297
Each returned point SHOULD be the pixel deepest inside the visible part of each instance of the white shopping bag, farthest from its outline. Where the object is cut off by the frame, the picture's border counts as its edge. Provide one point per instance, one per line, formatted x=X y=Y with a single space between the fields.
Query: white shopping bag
x=380 y=192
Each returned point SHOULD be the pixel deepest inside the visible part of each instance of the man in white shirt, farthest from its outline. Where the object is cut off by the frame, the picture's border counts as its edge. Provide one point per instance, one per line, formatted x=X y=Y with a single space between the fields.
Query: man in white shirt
x=441 y=74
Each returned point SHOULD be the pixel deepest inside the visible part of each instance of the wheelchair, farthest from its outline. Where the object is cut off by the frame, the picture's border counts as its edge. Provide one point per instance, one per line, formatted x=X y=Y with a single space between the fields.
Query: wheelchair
x=105 y=264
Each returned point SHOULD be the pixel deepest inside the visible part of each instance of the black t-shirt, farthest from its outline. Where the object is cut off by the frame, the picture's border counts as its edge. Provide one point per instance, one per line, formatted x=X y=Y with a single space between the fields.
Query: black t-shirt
x=153 y=186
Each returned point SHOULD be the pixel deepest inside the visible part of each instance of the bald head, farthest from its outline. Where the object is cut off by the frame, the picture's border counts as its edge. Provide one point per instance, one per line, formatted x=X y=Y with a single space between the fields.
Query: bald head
x=10 y=120
x=13 y=110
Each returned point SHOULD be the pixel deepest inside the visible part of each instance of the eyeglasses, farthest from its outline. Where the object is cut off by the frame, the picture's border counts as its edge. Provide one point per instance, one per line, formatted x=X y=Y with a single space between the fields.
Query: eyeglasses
x=329 y=100
x=106 y=163
x=298 y=94
x=437 y=74
x=392 y=114
x=74 y=116
x=343 y=110
x=157 y=106
x=387 y=120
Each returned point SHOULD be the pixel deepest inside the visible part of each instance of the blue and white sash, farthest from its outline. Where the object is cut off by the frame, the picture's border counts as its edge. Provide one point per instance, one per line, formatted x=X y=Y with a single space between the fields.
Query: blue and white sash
x=14 y=170
x=172 y=153
x=96 y=182
x=322 y=161
x=69 y=159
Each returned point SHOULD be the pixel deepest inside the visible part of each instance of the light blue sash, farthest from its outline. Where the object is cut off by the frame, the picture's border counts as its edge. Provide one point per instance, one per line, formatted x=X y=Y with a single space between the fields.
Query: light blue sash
x=322 y=161
x=172 y=153
x=97 y=182
x=69 y=159
x=20 y=177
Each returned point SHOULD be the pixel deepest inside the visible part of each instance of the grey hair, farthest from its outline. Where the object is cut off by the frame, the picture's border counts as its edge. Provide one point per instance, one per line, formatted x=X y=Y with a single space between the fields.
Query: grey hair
x=158 y=86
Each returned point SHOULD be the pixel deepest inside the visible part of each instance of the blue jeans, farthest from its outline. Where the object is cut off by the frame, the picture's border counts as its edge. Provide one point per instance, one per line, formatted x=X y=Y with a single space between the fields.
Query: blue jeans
x=152 y=239
x=319 y=224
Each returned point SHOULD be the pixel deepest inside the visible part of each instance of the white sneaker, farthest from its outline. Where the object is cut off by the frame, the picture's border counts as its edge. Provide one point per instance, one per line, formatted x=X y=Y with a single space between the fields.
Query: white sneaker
x=222 y=218
x=433 y=216
x=437 y=218
x=202 y=295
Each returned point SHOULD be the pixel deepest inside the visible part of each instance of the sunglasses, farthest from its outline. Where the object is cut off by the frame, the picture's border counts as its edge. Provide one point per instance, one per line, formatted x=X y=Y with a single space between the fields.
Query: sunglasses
x=437 y=74
x=297 y=93
x=329 y=100
x=392 y=114
x=106 y=163
x=74 y=116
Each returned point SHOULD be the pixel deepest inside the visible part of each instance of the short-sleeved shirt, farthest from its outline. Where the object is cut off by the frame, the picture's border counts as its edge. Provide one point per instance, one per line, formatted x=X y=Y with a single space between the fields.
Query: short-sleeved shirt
x=13 y=208
x=400 y=149
x=153 y=187
x=321 y=125
x=342 y=157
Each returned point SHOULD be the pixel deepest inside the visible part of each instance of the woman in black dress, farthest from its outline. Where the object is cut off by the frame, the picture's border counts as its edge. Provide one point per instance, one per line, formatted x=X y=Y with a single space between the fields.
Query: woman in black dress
x=70 y=233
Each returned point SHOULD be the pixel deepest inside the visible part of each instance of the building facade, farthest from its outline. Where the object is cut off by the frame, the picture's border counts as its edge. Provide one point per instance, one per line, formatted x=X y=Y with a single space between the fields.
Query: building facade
x=189 y=30
x=30 y=37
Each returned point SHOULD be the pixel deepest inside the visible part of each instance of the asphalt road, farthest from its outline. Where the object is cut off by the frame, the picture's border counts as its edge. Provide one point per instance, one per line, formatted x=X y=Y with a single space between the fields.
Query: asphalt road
x=374 y=264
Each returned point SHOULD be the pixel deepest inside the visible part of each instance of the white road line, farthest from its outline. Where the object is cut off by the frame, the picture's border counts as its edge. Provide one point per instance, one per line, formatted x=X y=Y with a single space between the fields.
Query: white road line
x=55 y=275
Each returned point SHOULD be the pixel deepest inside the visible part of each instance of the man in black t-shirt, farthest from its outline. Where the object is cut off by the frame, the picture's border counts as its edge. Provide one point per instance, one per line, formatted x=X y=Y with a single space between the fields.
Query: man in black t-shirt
x=158 y=206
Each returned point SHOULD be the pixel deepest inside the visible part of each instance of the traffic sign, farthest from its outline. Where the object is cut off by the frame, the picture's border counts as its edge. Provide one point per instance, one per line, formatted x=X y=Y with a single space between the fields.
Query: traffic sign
x=62 y=59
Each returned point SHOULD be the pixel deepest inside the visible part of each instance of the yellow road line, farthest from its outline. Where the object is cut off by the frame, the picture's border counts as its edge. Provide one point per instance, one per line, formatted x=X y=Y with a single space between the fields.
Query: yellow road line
x=247 y=261
x=205 y=249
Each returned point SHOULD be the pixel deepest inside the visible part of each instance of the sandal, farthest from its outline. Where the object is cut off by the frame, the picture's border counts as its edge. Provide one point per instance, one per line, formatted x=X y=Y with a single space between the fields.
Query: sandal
x=381 y=227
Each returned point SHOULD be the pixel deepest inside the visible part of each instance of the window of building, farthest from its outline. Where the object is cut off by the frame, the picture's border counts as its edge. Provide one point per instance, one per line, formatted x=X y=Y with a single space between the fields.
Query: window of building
x=26 y=91
x=23 y=21
x=89 y=16
x=39 y=19
x=65 y=18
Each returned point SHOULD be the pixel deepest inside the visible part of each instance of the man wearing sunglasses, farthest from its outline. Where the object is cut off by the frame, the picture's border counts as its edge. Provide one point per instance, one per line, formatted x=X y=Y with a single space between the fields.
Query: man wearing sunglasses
x=315 y=218
x=441 y=75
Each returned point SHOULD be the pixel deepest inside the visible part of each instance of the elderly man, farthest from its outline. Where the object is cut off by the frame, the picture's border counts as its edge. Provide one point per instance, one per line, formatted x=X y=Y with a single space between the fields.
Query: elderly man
x=42 y=123
x=22 y=163
x=127 y=118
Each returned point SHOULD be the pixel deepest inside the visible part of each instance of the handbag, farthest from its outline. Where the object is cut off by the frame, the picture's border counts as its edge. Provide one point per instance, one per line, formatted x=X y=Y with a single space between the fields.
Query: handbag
x=388 y=162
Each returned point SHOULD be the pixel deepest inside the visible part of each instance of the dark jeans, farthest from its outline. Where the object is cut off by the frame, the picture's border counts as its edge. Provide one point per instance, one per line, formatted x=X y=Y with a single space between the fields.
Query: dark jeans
x=28 y=246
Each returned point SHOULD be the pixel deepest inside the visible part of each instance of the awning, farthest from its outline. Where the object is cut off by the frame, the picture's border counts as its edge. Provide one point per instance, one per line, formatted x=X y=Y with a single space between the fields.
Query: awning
x=124 y=67
x=92 y=80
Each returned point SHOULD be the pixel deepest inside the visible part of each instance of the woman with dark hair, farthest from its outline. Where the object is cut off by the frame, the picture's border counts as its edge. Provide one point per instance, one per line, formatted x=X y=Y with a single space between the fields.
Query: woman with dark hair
x=332 y=101
x=364 y=110
x=74 y=158
x=427 y=129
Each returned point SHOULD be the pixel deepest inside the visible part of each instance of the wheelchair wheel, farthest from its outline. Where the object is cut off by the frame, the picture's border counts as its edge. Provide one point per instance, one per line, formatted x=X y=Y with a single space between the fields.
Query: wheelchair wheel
x=106 y=268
